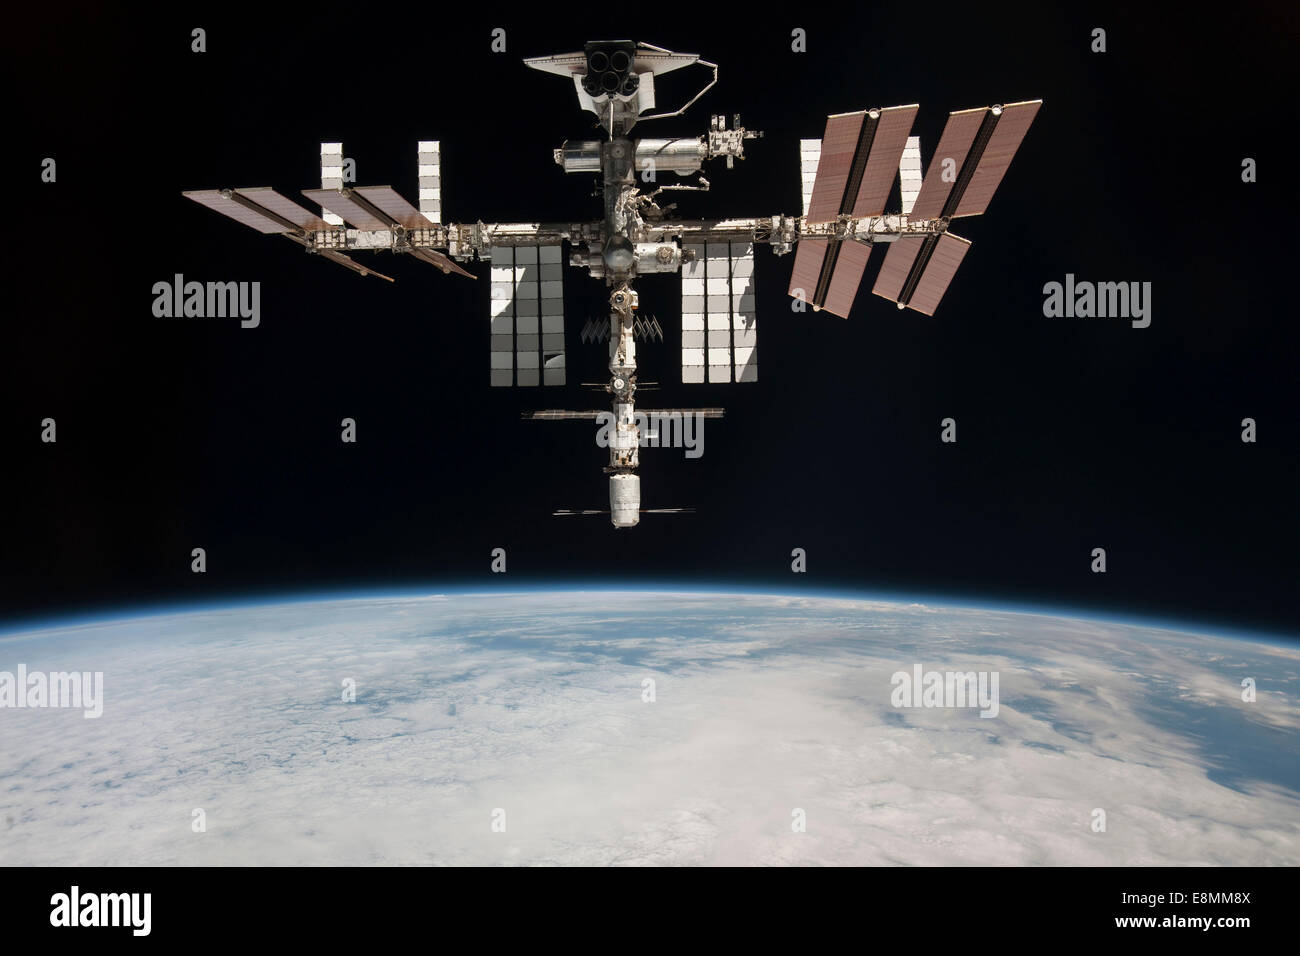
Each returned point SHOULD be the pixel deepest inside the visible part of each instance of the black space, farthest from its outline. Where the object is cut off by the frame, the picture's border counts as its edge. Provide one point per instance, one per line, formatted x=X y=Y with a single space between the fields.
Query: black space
x=1073 y=433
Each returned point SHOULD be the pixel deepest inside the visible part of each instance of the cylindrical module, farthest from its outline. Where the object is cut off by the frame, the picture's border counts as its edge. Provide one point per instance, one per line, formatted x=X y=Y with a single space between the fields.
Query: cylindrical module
x=579 y=156
x=681 y=156
x=624 y=500
x=625 y=442
x=657 y=257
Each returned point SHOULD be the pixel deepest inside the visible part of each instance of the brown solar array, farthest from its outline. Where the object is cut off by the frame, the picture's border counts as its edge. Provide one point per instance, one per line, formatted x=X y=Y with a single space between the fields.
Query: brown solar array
x=849 y=266
x=896 y=267
x=1007 y=136
x=958 y=134
x=882 y=162
x=388 y=200
x=341 y=205
x=839 y=144
x=352 y=264
x=441 y=261
x=808 y=257
x=284 y=208
x=947 y=256
x=213 y=199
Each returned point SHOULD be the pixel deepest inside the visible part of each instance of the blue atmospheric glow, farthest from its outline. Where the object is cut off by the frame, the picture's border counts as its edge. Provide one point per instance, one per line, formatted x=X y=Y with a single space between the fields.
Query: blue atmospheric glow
x=117 y=614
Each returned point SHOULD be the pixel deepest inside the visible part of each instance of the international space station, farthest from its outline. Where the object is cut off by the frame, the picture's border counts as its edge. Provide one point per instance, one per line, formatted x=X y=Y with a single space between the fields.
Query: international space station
x=848 y=176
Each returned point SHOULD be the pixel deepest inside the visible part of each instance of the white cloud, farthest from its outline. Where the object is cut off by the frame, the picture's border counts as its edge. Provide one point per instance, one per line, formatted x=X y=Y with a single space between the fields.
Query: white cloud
x=533 y=703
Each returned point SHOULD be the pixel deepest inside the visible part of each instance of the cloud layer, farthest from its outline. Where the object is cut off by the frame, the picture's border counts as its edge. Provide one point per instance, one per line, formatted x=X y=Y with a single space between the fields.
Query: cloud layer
x=533 y=704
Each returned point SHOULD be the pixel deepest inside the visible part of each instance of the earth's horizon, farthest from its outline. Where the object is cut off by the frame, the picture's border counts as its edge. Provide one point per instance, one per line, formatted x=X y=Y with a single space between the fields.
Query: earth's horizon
x=608 y=726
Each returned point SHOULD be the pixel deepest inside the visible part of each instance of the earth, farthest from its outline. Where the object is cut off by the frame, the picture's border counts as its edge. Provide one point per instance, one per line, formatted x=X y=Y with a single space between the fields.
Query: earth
x=610 y=727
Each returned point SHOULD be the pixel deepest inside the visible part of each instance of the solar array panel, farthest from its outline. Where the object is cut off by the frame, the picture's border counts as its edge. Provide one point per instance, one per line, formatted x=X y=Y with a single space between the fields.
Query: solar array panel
x=949 y=251
x=810 y=151
x=850 y=263
x=387 y=200
x=839 y=144
x=827 y=273
x=273 y=214
x=809 y=255
x=897 y=266
x=337 y=202
x=283 y=207
x=744 y=312
x=973 y=155
x=918 y=270
x=879 y=159
x=955 y=143
x=909 y=173
x=858 y=159
x=1007 y=136
x=693 y=313
x=213 y=199
x=527 y=316
x=430 y=172
x=719 y=321
x=858 y=156
x=331 y=174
